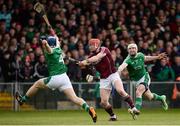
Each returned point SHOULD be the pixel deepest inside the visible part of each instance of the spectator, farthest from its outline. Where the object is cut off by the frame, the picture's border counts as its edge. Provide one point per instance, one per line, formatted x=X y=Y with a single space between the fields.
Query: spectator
x=116 y=59
x=164 y=72
x=74 y=72
x=145 y=49
x=27 y=71
x=40 y=69
x=176 y=94
x=6 y=15
x=176 y=66
x=116 y=23
x=5 y=65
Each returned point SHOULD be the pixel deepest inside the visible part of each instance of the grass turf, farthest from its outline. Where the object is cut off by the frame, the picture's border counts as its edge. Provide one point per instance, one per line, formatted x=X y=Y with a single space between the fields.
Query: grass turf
x=79 y=117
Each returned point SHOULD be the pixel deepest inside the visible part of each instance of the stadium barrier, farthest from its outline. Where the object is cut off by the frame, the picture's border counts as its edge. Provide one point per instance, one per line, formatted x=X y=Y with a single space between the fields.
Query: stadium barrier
x=48 y=99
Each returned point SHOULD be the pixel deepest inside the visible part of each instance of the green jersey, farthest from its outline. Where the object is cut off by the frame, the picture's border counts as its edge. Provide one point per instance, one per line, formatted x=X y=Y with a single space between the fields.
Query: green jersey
x=136 y=66
x=55 y=62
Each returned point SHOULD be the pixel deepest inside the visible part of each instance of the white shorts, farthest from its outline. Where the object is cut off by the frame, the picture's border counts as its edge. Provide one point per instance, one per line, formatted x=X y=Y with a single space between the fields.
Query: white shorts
x=60 y=82
x=145 y=80
x=109 y=81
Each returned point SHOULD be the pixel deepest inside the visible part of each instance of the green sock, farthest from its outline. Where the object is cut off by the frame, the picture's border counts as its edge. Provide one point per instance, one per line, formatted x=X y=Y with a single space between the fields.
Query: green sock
x=25 y=98
x=138 y=103
x=85 y=106
x=157 y=97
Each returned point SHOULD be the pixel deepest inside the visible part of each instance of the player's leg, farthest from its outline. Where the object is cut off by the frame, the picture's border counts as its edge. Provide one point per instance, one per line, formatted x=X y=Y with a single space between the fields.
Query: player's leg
x=117 y=83
x=31 y=92
x=153 y=96
x=120 y=89
x=105 y=94
x=140 y=89
x=69 y=92
x=138 y=101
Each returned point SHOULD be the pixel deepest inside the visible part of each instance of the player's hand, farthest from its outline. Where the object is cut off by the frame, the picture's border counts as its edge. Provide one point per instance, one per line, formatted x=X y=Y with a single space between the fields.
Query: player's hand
x=44 y=42
x=89 y=78
x=162 y=55
x=82 y=63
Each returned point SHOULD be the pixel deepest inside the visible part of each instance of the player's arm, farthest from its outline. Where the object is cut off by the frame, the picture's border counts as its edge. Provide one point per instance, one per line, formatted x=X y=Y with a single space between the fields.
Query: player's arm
x=46 y=47
x=122 y=67
x=160 y=56
x=51 y=30
x=58 y=43
x=93 y=59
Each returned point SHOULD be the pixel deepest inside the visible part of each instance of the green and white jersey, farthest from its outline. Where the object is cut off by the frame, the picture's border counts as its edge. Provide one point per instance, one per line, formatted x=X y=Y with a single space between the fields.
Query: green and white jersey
x=136 y=66
x=55 y=62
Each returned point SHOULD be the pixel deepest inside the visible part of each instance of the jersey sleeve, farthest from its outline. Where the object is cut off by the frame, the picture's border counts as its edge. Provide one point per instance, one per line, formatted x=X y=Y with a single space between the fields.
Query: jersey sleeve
x=142 y=55
x=126 y=60
x=104 y=50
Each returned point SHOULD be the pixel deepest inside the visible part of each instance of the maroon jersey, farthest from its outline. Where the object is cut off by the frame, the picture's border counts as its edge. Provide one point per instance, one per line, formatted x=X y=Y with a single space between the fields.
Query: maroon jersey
x=106 y=65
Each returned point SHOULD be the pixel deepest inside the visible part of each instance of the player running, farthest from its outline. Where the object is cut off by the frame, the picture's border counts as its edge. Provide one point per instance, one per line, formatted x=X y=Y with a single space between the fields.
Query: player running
x=102 y=60
x=58 y=78
x=140 y=77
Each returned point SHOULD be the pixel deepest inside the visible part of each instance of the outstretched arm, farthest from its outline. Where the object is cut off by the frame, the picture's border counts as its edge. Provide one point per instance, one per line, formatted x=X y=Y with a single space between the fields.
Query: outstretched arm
x=51 y=31
x=160 y=56
x=122 y=67
x=93 y=59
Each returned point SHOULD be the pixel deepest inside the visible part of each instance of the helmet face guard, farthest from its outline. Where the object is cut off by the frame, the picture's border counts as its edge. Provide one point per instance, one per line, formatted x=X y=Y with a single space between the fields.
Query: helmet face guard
x=43 y=37
x=51 y=41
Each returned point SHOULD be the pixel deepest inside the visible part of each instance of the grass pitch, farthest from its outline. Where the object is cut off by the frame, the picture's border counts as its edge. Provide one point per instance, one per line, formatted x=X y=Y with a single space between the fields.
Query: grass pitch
x=80 y=117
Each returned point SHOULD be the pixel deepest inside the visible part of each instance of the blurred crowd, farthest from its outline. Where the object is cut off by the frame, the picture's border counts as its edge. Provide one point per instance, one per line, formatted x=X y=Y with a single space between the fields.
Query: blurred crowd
x=154 y=25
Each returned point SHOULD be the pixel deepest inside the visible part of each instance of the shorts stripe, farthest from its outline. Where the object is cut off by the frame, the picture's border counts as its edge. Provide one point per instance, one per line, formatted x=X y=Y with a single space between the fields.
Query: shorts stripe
x=46 y=80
